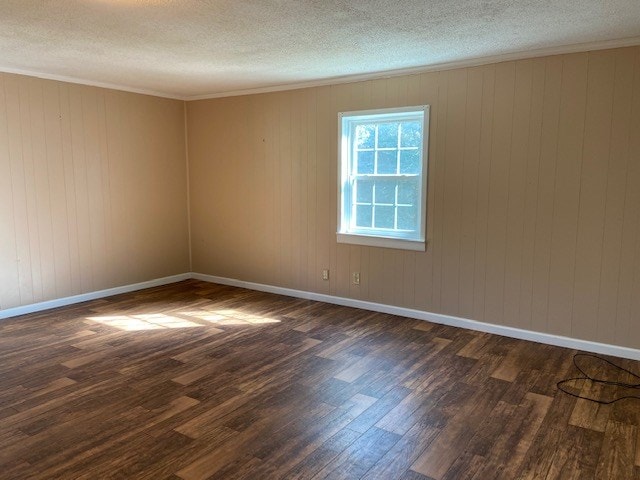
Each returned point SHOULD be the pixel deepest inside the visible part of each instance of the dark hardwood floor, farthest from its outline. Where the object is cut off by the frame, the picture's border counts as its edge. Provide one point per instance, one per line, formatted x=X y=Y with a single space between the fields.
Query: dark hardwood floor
x=196 y=381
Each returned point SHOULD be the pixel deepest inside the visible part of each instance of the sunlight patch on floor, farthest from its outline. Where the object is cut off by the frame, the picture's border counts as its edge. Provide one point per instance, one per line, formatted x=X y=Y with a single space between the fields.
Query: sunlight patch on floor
x=199 y=318
x=147 y=321
x=229 y=317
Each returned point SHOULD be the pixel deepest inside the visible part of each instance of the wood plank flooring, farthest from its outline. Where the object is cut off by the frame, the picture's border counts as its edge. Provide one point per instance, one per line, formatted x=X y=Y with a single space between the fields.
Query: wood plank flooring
x=202 y=381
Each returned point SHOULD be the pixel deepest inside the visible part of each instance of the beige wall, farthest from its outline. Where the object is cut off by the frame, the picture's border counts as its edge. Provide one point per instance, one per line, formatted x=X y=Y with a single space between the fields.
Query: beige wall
x=92 y=189
x=533 y=202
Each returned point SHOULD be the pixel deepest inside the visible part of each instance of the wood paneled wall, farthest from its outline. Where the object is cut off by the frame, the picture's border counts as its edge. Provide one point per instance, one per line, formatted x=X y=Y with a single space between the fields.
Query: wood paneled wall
x=533 y=202
x=92 y=189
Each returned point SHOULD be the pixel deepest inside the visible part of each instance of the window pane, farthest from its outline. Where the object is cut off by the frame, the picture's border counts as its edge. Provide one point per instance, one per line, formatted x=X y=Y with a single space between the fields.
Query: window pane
x=407 y=193
x=411 y=134
x=382 y=176
x=388 y=135
x=365 y=136
x=407 y=218
x=363 y=215
x=387 y=161
x=365 y=162
x=364 y=191
x=386 y=191
x=410 y=161
x=384 y=217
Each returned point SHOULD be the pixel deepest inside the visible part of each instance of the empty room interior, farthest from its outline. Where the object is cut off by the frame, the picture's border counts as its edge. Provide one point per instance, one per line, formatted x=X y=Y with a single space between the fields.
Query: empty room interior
x=320 y=240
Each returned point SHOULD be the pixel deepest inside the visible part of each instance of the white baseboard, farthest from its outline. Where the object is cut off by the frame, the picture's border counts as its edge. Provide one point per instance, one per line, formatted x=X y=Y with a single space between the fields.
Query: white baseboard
x=62 y=302
x=546 y=338
x=539 y=337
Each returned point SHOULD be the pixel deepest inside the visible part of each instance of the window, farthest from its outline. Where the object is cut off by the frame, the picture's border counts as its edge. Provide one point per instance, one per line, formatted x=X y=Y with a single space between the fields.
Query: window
x=383 y=177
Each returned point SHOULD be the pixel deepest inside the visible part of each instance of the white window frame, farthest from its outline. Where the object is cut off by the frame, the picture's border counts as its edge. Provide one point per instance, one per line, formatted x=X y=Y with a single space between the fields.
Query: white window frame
x=349 y=233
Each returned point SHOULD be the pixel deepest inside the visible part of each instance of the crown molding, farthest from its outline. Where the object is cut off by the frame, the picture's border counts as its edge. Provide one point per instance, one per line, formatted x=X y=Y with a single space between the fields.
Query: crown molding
x=465 y=63
x=90 y=83
x=470 y=62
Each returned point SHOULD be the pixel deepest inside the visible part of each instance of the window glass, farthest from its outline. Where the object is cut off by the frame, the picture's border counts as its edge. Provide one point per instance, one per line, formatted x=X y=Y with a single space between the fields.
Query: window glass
x=383 y=177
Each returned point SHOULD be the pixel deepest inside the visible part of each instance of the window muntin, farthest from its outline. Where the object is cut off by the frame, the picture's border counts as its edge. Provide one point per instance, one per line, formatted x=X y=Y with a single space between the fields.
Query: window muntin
x=383 y=176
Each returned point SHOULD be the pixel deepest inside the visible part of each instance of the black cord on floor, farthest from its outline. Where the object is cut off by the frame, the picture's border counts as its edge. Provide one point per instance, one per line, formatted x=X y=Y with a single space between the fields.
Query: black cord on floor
x=600 y=381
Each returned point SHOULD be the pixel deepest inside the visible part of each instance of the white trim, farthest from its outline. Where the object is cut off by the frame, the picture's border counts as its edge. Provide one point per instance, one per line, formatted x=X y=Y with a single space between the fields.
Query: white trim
x=539 y=337
x=469 y=62
x=91 y=83
x=62 y=302
x=348 y=232
x=383 y=242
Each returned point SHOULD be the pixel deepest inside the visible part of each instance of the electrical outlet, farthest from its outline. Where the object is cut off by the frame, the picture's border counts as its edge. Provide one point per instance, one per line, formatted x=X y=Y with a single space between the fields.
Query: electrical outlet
x=356 y=278
x=325 y=274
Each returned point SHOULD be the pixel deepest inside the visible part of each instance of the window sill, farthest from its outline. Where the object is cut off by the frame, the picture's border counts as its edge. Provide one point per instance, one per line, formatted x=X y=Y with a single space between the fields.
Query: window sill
x=384 y=242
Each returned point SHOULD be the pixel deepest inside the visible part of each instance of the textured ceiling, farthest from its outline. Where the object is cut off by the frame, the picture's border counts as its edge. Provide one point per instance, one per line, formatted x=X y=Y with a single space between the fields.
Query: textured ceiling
x=189 y=48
